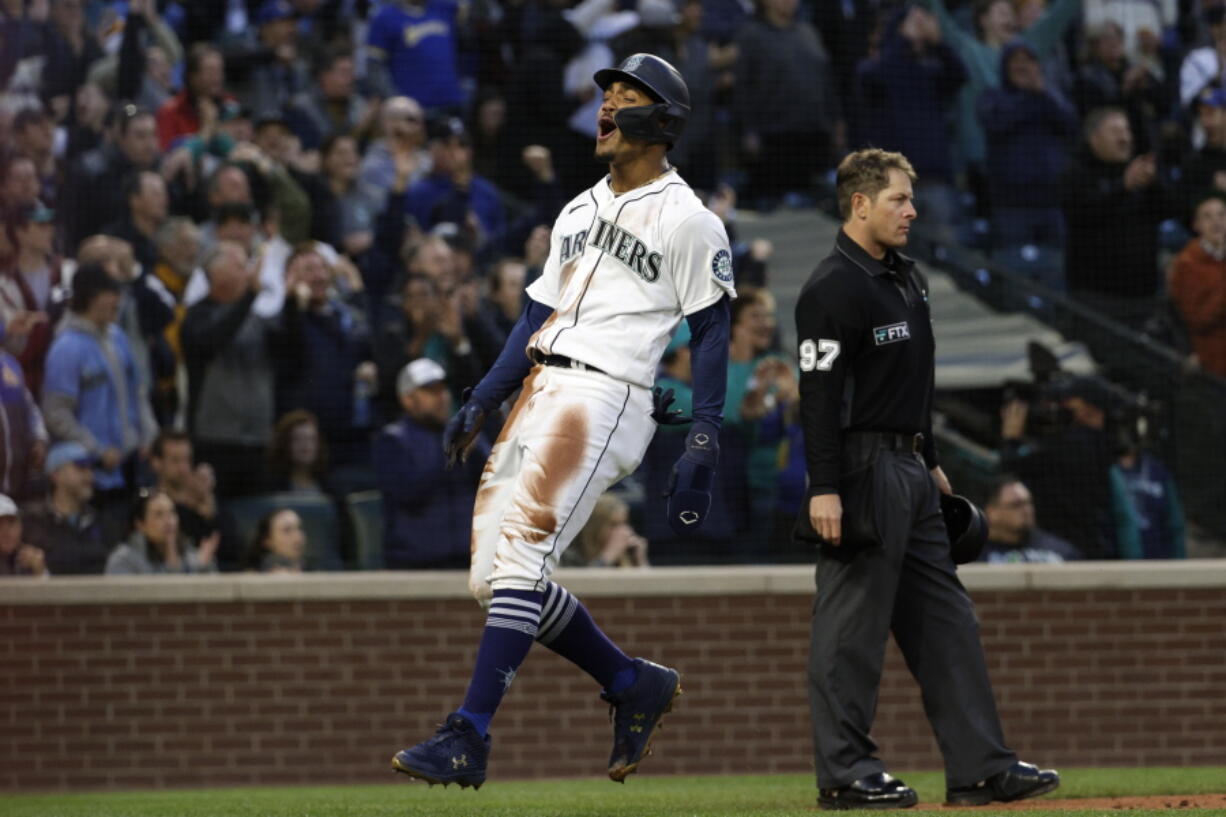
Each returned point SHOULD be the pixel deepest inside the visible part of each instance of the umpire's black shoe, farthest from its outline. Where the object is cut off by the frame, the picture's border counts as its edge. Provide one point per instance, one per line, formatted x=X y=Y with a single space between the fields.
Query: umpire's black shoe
x=878 y=790
x=1019 y=781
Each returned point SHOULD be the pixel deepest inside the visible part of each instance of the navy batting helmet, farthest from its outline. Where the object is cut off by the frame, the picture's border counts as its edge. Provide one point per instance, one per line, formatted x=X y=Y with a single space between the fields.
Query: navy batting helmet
x=661 y=122
x=967 y=528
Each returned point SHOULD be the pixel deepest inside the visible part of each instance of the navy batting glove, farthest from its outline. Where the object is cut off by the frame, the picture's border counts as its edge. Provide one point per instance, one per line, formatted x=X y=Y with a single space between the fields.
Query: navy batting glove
x=462 y=429
x=689 y=488
x=661 y=401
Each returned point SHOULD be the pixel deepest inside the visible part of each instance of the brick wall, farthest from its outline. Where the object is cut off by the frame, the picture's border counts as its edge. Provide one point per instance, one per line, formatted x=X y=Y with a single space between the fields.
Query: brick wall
x=109 y=695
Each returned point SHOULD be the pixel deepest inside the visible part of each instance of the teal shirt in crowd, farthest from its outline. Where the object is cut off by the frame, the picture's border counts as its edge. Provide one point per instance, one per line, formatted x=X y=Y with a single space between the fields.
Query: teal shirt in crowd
x=763 y=465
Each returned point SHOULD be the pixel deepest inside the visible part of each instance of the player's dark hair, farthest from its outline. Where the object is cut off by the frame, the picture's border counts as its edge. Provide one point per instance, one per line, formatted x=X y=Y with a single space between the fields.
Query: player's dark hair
x=868 y=172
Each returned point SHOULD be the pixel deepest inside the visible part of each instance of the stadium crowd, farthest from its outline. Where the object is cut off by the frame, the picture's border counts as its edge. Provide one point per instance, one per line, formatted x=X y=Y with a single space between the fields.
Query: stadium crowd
x=254 y=250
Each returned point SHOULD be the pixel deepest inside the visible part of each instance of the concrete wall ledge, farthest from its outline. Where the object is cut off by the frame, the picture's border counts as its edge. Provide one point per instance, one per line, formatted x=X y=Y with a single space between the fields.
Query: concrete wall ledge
x=657 y=582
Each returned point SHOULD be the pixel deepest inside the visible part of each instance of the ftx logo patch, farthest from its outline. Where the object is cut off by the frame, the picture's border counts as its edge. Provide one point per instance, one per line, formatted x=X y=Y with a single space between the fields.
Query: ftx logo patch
x=891 y=334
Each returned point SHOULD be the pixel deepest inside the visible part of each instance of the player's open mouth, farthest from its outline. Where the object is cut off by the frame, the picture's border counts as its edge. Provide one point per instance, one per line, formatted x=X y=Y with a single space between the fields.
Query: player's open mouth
x=605 y=128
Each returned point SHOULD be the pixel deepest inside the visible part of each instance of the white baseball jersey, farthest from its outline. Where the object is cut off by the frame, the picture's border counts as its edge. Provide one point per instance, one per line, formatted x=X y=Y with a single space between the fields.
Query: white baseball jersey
x=624 y=269
x=622 y=272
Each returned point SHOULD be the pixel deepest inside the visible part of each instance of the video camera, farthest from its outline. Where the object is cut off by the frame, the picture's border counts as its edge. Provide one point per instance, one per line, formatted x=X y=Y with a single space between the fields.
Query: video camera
x=1129 y=417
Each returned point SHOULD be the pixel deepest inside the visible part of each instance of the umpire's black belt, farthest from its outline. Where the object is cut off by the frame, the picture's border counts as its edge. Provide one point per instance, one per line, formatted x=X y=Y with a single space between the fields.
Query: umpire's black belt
x=562 y=361
x=870 y=442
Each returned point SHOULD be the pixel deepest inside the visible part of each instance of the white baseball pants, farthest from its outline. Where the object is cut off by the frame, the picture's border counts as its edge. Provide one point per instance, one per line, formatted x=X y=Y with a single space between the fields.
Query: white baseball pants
x=571 y=435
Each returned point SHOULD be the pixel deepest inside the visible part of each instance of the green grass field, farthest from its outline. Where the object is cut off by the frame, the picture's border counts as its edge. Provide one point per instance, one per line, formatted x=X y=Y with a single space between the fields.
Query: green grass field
x=642 y=796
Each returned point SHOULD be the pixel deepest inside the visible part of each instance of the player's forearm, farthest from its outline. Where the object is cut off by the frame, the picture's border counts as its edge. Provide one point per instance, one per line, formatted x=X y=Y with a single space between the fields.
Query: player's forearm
x=513 y=364
x=709 y=330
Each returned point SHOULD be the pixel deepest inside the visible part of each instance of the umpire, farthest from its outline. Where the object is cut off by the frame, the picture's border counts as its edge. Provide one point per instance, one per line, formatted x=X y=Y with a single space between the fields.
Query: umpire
x=866 y=382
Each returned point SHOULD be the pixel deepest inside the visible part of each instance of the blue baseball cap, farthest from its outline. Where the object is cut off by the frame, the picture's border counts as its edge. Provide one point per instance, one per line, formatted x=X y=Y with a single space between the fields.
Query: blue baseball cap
x=65 y=452
x=273 y=10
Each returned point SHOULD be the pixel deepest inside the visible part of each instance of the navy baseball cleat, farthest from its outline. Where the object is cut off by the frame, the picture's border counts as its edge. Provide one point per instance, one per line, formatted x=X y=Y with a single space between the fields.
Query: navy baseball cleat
x=456 y=754
x=636 y=712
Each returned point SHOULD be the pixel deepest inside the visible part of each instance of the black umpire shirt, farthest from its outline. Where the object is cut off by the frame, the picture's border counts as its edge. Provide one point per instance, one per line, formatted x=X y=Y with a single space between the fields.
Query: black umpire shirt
x=866 y=355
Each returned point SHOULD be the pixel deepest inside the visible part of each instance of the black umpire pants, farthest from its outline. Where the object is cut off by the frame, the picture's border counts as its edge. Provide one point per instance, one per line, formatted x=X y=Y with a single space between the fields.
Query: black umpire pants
x=905 y=582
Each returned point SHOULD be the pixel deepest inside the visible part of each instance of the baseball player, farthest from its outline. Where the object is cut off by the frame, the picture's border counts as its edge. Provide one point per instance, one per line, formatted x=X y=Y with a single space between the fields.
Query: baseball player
x=628 y=259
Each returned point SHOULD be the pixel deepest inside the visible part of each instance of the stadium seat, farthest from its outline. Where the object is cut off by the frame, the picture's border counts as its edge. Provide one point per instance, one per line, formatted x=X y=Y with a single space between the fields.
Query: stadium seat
x=365 y=512
x=1044 y=265
x=976 y=233
x=320 y=522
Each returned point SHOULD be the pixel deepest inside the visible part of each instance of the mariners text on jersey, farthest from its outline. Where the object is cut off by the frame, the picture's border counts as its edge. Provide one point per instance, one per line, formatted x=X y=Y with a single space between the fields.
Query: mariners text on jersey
x=628 y=249
x=622 y=272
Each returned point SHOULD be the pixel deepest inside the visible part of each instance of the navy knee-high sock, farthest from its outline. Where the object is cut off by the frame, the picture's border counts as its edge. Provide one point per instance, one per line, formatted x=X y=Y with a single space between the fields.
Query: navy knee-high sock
x=510 y=628
x=567 y=628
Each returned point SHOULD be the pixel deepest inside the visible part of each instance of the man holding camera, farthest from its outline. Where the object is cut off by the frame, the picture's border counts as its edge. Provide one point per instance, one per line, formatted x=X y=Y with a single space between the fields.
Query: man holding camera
x=866 y=359
x=1066 y=459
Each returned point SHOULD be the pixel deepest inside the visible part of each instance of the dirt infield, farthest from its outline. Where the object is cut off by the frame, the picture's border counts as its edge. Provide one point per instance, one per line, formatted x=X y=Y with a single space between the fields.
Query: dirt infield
x=1152 y=802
